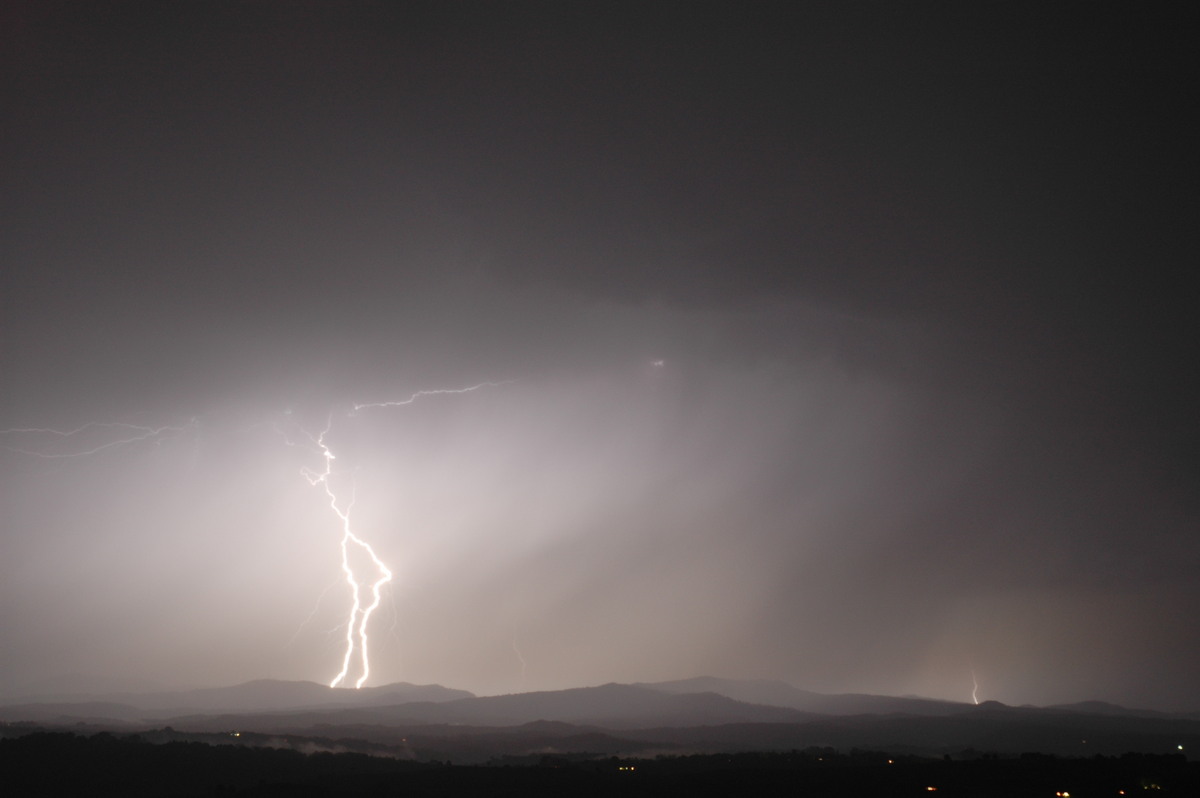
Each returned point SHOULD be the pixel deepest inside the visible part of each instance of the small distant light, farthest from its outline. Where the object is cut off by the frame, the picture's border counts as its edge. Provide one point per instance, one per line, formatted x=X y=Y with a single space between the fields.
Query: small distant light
x=891 y=762
x=1180 y=747
x=931 y=789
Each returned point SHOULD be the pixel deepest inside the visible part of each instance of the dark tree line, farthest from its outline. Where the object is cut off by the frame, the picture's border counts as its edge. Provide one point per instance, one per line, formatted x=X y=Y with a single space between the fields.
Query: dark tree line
x=61 y=763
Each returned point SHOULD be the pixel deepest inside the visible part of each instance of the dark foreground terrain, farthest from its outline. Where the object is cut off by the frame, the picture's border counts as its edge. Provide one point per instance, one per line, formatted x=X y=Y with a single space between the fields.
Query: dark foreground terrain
x=64 y=763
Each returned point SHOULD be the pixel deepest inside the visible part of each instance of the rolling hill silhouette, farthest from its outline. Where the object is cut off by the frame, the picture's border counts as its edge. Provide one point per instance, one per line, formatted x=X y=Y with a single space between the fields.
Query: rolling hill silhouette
x=694 y=715
x=781 y=694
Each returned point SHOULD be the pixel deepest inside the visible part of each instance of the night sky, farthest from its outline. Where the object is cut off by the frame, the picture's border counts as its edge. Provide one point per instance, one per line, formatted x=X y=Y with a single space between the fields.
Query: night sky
x=849 y=344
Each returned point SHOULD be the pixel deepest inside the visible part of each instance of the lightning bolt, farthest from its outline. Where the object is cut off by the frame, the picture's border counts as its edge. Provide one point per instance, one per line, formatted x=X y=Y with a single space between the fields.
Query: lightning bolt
x=361 y=609
x=975 y=687
x=360 y=614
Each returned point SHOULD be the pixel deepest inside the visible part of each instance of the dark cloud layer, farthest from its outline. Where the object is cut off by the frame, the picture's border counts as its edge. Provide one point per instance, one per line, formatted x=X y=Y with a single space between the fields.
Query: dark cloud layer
x=848 y=346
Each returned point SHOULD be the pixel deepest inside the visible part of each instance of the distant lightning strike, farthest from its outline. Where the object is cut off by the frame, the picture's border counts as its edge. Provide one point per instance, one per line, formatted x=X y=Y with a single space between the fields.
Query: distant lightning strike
x=974 y=688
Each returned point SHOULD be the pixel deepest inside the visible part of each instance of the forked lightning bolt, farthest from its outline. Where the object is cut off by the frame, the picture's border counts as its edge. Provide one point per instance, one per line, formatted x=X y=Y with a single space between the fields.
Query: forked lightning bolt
x=360 y=616
x=357 y=640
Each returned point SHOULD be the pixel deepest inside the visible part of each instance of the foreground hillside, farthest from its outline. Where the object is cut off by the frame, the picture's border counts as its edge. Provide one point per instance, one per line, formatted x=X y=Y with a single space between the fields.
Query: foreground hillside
x=63 y=764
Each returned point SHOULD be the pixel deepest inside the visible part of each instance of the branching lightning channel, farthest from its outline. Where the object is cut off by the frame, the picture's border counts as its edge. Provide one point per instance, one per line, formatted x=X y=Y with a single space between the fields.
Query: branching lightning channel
x=360 y=615
x=437 y=392
x=125 y=434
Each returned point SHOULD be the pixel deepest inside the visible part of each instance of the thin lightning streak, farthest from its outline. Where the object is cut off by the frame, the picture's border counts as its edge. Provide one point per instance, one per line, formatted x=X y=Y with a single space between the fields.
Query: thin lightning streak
x=975 y=688
x=438 y=392
x=521 y=658
x=312 y=614
x=138 y=433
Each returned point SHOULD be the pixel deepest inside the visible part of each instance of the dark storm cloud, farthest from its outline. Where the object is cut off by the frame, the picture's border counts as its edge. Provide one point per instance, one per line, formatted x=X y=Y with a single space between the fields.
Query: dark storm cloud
x=916 y=281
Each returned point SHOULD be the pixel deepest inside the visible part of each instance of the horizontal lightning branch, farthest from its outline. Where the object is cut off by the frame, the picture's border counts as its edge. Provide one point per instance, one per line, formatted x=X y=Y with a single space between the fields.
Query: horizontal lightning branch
x=133 y=433
x=419 y=394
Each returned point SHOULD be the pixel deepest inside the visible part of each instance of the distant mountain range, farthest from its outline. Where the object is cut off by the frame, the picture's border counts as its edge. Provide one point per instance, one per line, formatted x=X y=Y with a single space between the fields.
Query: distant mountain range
x=610 y=706
x=702 y=714
x=781 y=694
